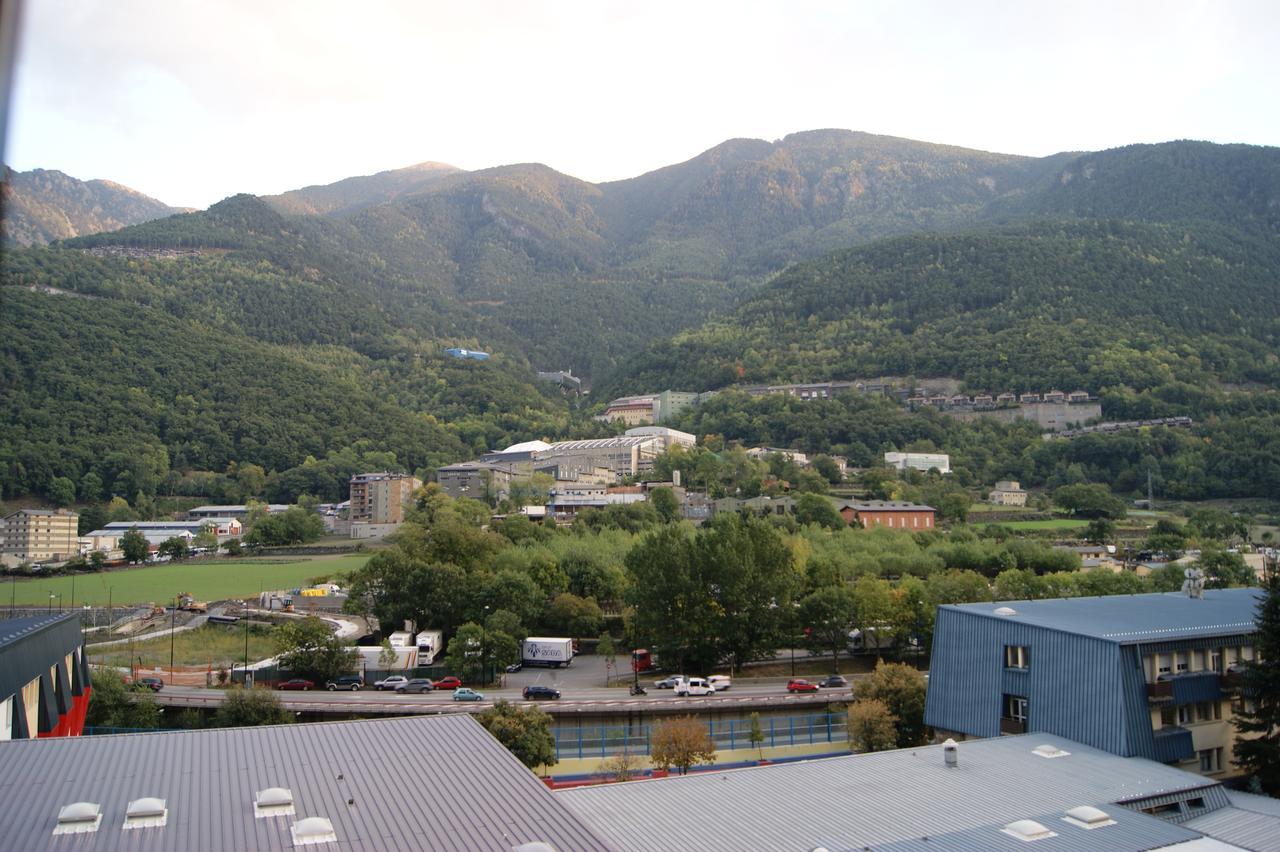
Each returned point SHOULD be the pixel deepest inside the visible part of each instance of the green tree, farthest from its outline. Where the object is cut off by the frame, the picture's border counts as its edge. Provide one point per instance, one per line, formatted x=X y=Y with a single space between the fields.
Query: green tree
x=681 y=743
x=827 y=468
x=817 y=509
x=1257 y=749
x=827 y=615
x=175 y=548
x=576 y=616
x=309 y=648
x=1223 y=569
x=134 y=545
x=292 y=526
x=1100 y=531
x=902 y=690
x=1089 y=501
x=506 y=621
x=525 y=731
x=97 y=560
x=387 y=657
x=605 y=649
x=118 y=510
x=247 y=708
x=755 y=735
x=872 y=726
x=112 y=704
x=474 y=652
x=665 y=504
x=62 y=491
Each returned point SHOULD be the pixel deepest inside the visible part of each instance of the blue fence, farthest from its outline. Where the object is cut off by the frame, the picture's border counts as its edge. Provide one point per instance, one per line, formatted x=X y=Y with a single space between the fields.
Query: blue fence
x=605 y=740
x=94 y=731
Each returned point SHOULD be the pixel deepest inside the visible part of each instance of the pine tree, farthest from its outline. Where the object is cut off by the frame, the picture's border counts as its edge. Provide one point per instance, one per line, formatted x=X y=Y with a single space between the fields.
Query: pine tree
x=1258 y=749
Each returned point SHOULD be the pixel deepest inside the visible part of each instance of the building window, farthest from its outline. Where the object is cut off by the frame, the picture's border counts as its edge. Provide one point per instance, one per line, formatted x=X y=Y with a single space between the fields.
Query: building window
x=1164 y=666
x=1186 y=714
x=1015 y=708
x=1017 y=657
x=1168 y=717
x=1215 y=660
x=1210 y=759
x=1182 y=661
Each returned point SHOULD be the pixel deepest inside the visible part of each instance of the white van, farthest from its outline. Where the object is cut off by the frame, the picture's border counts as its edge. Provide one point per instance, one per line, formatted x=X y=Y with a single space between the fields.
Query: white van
x=695 y=686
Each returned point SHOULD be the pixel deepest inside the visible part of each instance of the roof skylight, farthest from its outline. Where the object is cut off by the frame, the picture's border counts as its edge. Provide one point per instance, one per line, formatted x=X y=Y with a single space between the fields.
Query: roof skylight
x=1088 y=817
x=146 y=813
x=1028 y=830
x=79 y=818
x=273 y=801
x=312 y=830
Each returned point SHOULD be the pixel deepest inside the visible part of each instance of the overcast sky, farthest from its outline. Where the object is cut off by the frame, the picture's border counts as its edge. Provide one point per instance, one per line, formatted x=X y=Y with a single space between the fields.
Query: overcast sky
x=194 y=101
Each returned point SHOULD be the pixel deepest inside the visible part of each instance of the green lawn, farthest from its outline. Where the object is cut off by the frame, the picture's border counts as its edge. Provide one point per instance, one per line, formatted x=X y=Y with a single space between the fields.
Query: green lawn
x=215 y=645
x=219 y=579
x=1055 y=524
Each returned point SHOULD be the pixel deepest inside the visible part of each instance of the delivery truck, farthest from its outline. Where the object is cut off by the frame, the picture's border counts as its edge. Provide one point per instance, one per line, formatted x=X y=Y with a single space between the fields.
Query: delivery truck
x=544 y=651
x=430 y=646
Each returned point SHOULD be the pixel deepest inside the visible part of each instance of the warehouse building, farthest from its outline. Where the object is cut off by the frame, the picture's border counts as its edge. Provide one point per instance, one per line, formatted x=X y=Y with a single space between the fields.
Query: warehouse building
x=44 y=679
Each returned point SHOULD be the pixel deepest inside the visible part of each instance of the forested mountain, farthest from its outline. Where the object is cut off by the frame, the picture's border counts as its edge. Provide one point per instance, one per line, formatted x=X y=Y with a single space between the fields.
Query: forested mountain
x=1051 y=304
x=356 y=193
x=1146 y=274
x=44 y=205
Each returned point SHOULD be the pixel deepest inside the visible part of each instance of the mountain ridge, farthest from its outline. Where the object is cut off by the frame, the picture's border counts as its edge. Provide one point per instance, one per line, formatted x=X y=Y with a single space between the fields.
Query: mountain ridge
x=43 y=205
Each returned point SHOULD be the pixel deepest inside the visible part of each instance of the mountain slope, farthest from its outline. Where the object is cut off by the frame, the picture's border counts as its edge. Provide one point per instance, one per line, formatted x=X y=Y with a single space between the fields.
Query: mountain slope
x=45 y=205
x=1066 y=304
x=354 y=194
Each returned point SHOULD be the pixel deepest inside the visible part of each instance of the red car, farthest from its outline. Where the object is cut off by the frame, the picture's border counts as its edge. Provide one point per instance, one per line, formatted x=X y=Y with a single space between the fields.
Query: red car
x=801 y=685
x=296 y=683
x=449 y=682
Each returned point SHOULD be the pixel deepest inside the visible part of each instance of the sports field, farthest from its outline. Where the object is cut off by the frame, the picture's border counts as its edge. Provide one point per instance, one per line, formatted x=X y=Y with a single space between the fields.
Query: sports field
x=219 y=579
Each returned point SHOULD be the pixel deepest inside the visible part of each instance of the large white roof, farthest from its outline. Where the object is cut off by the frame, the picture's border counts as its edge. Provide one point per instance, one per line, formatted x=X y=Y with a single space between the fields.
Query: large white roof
x=527 y=447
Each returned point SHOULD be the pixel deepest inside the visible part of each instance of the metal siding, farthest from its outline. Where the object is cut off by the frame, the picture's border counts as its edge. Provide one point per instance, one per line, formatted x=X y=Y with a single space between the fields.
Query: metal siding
x=965 y=675
x=1138 y=736
x=1194 y=687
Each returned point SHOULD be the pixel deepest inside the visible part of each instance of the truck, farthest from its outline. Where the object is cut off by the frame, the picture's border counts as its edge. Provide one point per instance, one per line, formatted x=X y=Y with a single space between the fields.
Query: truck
x=190 y=604
x=430 y=645
x=546 y=651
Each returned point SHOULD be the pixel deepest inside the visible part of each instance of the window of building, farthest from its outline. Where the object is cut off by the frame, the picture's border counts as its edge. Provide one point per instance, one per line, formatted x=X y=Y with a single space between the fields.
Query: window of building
x=1209 y=760
x=1015 y=707
x=1182 y=661
x=1186 y=714
x=1168 y=717
x=1017 y=657
x=1164 y=665
x=1215 y=660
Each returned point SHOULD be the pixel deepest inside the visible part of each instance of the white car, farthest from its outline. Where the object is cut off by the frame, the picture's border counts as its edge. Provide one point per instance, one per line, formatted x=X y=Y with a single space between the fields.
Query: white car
x=695 y=686
x=719 y=682
x=391 y=682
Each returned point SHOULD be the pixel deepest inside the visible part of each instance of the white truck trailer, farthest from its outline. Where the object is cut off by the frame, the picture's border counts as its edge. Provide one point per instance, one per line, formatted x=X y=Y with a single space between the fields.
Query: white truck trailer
x=546 y=651
x=430 y=646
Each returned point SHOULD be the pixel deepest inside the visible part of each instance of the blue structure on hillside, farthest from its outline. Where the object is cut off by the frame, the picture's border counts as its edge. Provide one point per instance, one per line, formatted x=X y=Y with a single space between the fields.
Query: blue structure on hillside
x=1136 y=675
x=466 y=354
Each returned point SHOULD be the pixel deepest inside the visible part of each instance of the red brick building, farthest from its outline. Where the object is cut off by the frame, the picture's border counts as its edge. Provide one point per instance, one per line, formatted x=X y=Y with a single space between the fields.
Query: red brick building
x=886 y=513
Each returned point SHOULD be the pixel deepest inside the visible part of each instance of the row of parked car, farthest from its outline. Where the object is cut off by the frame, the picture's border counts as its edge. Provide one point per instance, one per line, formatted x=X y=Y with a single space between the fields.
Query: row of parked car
x=719 y=683
x=414 y=686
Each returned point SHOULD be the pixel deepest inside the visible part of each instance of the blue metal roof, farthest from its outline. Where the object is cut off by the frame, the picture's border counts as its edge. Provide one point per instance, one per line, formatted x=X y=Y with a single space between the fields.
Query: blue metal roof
x=1130 y=619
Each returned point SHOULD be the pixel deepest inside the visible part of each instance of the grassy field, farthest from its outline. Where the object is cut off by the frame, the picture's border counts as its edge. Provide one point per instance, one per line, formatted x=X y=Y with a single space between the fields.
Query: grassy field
x=1055 y=524
x=213 y=644
x=219 y=579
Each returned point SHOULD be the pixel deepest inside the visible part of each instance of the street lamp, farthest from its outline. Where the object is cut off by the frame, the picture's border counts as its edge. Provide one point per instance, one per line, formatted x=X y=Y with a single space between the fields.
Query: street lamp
x=51 y=597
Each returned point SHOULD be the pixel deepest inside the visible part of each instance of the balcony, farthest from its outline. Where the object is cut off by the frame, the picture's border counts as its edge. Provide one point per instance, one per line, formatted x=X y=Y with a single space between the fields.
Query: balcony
x=1173 y=744
x=1186 y=688
x=1012 y=726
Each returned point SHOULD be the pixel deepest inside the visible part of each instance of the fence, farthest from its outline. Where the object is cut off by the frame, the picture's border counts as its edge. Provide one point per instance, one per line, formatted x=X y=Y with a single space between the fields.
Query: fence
x=605 y=740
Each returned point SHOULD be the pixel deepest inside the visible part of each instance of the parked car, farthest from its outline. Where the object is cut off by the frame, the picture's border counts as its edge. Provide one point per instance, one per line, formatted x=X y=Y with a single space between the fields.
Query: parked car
x=449 y=682
x=464 y=694
x=801 y=685
x=416 y=686
x=515 y=667
x=719 y=682
x=533 y=693
x=296 y=683
x=695 y=686
x=833 y=682
x=391 y=682
x=351 y=682
x=154 y=684
x=669 y=682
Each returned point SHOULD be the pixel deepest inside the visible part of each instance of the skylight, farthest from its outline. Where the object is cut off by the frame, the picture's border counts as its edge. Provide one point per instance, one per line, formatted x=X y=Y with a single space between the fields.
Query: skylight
x=146 y=813
x=1088 y=817
x=1006 y=611
x=273 y=801
x=79 y=818
x=1028 y=830
x=312 y=830
x=1049 y=751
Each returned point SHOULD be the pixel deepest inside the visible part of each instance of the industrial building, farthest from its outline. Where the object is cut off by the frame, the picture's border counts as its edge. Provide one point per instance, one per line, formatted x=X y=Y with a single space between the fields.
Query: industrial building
x=44 y=683
x=919 y=461
x=887 y=513
x=1152 y=675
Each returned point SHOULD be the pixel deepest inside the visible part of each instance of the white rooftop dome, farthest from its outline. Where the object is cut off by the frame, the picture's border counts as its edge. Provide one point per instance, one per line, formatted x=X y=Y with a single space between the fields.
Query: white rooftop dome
x=528 y=447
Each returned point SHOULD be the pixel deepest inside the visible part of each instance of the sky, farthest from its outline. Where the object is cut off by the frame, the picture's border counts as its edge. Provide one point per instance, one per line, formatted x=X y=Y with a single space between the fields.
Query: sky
x=190 y=102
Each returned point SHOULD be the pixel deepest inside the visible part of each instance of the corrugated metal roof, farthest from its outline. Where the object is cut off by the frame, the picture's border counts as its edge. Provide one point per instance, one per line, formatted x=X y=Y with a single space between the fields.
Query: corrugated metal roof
x=1252 y=822
x=866 y=800
x=1129 y=619
x=428 y=782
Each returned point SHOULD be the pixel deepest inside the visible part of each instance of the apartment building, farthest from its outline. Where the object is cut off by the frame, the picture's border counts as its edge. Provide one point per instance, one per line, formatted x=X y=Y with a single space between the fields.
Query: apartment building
x=1154 y=676
x=487 y=481
x=1007 y=493
x=381 y=498
x=40 y=535
x=919 y=461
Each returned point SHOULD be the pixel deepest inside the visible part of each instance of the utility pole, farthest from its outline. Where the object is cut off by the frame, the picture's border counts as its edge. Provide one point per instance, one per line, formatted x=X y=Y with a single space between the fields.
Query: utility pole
x=246 y=643
x=1151 y=500
x=173 y=631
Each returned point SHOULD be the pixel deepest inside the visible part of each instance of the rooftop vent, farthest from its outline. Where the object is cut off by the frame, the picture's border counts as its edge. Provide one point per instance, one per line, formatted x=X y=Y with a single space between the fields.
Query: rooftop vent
x=79 y=818
x=534 y=846
x=1028 y=830
x=951 y=753
x=1047 y=750
x=273 y=801
x=312 y=830
x=146 y=813
x=1088 y=817
x=1006 y=611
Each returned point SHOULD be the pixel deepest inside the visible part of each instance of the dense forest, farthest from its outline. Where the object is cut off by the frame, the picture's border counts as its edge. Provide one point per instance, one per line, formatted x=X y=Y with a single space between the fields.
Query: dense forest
x=303 y=334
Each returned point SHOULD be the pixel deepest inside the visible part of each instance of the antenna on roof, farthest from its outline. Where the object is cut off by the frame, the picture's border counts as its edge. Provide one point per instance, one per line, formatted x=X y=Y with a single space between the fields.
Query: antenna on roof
x=1194 y=584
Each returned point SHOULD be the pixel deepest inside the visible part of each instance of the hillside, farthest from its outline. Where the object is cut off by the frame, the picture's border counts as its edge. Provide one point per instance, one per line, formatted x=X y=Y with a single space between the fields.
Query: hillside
x=1052 y=304
x=354 y=194
x=44 y=205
